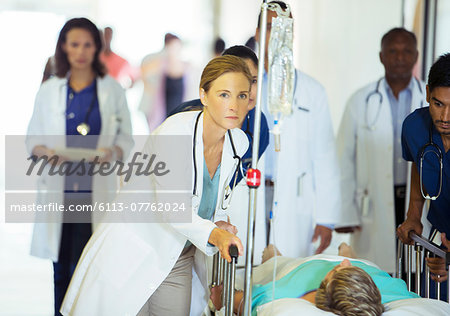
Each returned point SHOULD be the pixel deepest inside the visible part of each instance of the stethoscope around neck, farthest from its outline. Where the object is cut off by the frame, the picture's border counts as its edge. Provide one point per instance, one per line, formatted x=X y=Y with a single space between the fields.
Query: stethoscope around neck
x=377 y=94
x=228 y=193
x=83 y=128
x=430 y=147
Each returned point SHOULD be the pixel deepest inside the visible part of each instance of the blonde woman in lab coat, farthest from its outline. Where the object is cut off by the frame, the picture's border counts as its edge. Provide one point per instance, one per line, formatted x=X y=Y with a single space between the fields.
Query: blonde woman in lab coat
x=146 y=269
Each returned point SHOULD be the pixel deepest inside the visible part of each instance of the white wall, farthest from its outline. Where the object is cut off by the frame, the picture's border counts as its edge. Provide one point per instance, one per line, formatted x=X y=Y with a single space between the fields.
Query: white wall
x=442 y=27
x=337 y=42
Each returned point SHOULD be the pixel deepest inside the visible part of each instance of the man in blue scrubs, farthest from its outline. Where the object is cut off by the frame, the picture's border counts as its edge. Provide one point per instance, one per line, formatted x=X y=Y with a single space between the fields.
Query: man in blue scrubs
x=426 y=140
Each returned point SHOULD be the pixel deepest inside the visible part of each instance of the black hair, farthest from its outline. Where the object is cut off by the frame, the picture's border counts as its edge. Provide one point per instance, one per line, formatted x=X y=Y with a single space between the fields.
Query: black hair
x=395 y=31
x=439 y=75
x=61 y=61
x=282 y=4
x=242 y=52
x=251 y=43
x=219 y=46
x=168 y=37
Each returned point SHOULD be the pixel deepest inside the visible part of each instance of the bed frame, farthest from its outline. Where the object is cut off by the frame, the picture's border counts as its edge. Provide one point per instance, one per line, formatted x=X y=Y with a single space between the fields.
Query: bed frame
x=421 y=246
x=225 y=272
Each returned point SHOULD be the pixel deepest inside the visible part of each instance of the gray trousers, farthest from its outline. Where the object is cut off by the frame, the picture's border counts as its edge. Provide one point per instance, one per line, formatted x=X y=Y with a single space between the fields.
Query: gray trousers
x=173 y=296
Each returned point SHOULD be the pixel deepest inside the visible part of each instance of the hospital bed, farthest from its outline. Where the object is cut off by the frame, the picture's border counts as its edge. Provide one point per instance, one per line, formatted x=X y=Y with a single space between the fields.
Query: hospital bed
x=294 y=306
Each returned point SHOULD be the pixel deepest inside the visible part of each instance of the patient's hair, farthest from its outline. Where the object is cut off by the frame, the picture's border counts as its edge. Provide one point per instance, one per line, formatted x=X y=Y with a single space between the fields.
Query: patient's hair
x=350 y=292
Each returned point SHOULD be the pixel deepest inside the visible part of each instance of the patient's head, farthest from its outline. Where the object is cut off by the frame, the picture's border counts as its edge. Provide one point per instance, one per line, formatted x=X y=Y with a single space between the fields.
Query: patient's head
x=350 y=291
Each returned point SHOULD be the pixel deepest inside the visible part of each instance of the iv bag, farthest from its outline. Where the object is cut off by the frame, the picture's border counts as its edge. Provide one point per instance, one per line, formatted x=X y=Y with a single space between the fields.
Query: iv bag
x=281 y=67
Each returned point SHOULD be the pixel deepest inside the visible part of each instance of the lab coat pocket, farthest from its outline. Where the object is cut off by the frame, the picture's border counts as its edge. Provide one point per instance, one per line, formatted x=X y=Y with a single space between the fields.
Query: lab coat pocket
x=364 y=209
x=303 y=192
x=120 y=256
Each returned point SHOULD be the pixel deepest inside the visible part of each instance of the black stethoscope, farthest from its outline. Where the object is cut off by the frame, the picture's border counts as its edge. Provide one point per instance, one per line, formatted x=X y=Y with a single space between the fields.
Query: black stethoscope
x=376 y=93
x=83 y=128
x=227 y=193
x=437 y=151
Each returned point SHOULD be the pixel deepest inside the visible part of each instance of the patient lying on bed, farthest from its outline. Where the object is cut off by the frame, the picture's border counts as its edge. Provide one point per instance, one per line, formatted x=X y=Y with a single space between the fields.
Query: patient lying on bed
x=346 y=287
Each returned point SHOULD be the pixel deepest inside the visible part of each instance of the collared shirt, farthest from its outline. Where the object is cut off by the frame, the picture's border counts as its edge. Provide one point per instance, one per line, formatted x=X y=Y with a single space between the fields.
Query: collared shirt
x=400 y=108
x=415 y=134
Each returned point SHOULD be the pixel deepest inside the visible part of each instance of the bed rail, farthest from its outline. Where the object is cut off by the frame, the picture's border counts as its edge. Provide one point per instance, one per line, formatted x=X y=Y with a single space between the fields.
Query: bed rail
x=420 y=245
x=225 y=272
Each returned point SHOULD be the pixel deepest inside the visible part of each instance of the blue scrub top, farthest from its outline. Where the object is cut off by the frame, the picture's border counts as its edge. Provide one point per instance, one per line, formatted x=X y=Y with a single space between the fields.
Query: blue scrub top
x=209 y=195
x=247 y=126
x=77 y=105
x=308 y=276
x=415 y=134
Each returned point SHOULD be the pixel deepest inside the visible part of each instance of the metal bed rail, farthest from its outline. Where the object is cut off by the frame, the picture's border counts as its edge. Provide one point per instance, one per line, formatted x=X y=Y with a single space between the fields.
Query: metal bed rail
x=420 y=245
x=225 y=272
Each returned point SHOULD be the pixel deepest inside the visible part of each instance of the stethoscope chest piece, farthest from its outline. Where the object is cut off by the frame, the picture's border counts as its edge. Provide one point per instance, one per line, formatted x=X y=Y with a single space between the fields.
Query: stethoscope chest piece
x=83 y=129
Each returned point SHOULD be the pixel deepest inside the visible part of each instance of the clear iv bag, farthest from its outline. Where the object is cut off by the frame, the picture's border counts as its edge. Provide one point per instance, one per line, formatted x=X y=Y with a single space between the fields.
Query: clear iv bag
x=281 y=67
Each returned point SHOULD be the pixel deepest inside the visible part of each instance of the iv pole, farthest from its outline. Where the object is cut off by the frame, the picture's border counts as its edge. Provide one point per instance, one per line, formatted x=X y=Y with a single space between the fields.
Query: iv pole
x=255 y=150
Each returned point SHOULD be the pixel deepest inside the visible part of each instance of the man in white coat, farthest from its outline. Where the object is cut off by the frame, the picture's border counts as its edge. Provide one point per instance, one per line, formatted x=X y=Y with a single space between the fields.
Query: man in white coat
x=307 y=177
x=374 y=175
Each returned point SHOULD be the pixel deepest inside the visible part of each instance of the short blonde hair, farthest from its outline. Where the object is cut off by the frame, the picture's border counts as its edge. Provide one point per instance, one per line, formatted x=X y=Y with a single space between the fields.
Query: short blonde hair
x=350 y=292
x=222 y=65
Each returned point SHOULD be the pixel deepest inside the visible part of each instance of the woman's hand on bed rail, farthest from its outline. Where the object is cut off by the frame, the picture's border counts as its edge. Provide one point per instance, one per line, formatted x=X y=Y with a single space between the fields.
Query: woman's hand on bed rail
x=437 y=265
x=411 y=224
x=223 y=240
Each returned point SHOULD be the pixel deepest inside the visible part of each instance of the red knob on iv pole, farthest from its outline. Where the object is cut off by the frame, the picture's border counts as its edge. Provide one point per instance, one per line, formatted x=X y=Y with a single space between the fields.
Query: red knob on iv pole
x=253 y=178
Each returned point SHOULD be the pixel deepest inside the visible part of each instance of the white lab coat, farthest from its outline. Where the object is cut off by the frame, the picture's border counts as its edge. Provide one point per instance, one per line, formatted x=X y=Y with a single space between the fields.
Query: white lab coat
x=308 y=175
x=366 y=161
x=124 y=263
x=49 y=118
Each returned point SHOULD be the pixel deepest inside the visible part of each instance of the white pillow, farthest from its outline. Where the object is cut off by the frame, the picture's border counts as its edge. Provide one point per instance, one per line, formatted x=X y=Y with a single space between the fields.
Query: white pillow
x=408 y=307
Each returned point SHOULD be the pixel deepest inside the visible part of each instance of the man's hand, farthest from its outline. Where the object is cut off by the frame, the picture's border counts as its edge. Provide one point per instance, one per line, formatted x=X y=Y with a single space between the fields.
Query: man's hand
x=347 y=229
x=437 y=265
x=325 y=237
x=411 y=224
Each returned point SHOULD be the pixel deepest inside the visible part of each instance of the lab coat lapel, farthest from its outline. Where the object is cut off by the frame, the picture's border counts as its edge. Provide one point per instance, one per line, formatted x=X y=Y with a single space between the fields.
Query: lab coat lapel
x=417 y=97
x=228 y=166
x=60 y=108
x=199 y=161
x=102 y=96
x=384 y=121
